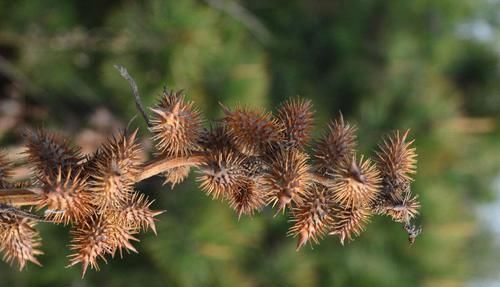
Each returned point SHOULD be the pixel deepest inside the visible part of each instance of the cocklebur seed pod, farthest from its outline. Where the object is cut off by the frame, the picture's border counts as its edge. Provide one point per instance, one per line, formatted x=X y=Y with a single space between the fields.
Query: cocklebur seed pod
x=312 y=219
x=397 y=158
x=5 y=170
x=116 y=167
x=349 y=222
x=357 y=183
x=246 y=199
x=19 y=241
x=138 y=214
x=46 y=152
x=252 y=132
x=296 y=116
x=222 y=173
x=336 y=145
x=176 y=124
x=66 y=197
x=287 y=178
x=176 y=175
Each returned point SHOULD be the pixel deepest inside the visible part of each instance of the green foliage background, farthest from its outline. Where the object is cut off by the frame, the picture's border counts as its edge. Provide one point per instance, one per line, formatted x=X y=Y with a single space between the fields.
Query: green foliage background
x=386 y=65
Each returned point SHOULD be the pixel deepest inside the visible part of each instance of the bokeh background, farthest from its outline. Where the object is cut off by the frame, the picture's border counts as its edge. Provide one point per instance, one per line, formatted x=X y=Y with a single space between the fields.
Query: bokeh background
x=432 y=66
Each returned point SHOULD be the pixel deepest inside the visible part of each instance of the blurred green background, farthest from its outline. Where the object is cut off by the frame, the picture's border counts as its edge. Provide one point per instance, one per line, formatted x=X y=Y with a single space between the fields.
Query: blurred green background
x=432 y=66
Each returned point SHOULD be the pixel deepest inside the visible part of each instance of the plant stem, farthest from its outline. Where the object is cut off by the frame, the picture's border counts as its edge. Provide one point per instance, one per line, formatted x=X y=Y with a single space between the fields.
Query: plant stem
x=160 y=165
x=28 y=196
x=18 y=196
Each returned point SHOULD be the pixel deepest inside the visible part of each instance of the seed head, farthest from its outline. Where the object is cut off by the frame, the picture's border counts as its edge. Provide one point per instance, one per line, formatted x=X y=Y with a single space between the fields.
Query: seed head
x=252 y=132
x=176 y=124
x=296 y=116
x=356 y=183
x=66 y=196
x=216 y=138
x=312 y=219
x=336 y=145
x=99 y=236
x=287 y=179
x=176 y=175
x=400 y=209
x=247 y=198
x=138 y=215
x=19 y=241
x=5 y=170
x=397 y=159
x=349 y=222
x=222 y=173
x=117 y=165
x=47 y=151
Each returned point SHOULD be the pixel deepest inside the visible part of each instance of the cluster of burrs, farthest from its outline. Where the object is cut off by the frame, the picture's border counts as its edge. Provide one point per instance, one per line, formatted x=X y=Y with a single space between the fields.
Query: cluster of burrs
x=249 y=159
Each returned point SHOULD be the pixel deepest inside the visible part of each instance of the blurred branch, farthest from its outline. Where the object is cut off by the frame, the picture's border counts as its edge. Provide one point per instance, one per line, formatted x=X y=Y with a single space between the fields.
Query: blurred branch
x=242 y=15
x=135 y=91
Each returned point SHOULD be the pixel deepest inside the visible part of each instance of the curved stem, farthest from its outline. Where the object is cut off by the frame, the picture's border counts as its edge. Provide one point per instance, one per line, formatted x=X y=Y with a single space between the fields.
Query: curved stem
x=28 y=196
x=160 y=165
x=18 y=196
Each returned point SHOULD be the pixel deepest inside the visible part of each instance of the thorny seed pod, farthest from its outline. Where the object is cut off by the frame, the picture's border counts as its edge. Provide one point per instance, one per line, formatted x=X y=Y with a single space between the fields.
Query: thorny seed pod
x=247 y=198
x=297 y=118
x=90 y=242
x=349 y=222
x=117 y=165
x=120 y=233
x=222 y=173
x=46 y=152
x=5 y=170
x=66 y=196
x=138 y=215
x=400 y=209
x=176 y=124
x=287 y=178
x=252 y=132
x=99 y=236
x=215 y=138
x=312 y=219
x=356 y=183
x=336 y=145
x=19 y=241
x=397 y=159
x=176 y=175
